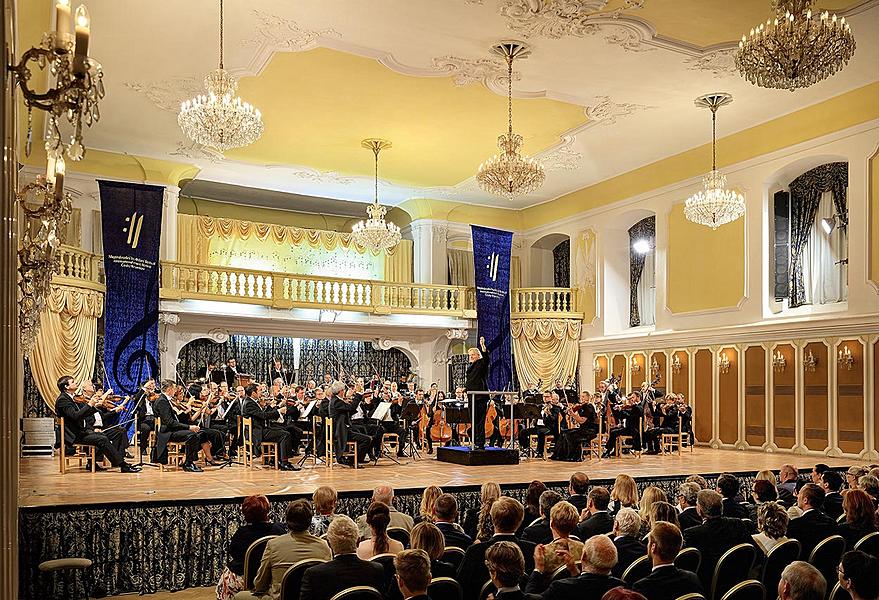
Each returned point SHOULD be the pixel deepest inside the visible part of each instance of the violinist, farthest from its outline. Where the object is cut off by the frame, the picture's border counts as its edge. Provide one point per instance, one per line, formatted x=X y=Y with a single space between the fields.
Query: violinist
x=230 y=372
x=665 y=419
x=143 y=410
x=551 y=415
x=585 y=417
x=685 y=413
x=255 y=406
x=531 y=393
x=628 y=423
x=174 y=429
x=289 y=420
x=340 y=410
x=78 y=427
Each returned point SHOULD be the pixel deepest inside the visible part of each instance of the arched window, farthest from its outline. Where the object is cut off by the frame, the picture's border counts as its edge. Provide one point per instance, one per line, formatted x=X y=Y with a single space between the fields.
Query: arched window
x=642 y=273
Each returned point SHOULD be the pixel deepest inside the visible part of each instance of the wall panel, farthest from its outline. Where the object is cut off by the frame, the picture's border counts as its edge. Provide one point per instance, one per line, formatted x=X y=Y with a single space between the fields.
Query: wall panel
x=601 y=361
x=704 y=365
x=755 y=395
x=728 y=395
x=680 y=381
x=619 y=368
x=875 y=395
x=850 y=400
x=815 y=399
x=784 y=399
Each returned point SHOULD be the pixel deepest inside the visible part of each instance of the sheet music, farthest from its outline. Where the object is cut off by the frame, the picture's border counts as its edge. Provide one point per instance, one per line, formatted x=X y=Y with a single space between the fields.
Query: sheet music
x=307 y=411
x=383 y=412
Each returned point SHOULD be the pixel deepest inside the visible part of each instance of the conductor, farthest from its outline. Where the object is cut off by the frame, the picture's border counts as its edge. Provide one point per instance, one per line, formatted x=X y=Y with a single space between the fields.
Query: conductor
x=477 y=376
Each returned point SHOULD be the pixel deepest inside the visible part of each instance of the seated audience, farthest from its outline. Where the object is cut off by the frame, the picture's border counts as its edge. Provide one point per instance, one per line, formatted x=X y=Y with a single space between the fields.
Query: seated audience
x=817 y=471
x=563 y=522
x=428 y=499
x=385 y=495
x=532 y=503
x=854 y=473
x=626 y=538
x=378 y=518
x=715 y=535
x=662 y=511
x=762 y=491
x=766 y=475
x=870 y=484
x=325 y=499
x=597 y=561
x=666 y=581
x=539 y=531
x=322 y=582
x=624 y=494
x=506 y=516
x=698 y=480
x=412 y=569
x=787 y=485
x=578 y=487
x=688 y=516
x=860 y=517
x=446 y=512
x=621 y=593
x=595 y=518
x=255 y=510
x=427 y=538
x=728 y=486
x=285 y=550
x=831 y=483
x=857 y=574
x=506 y=567
x=477 y=521
x=801 y=581
x=651 y=494
x=772 y=521
x=814 y=525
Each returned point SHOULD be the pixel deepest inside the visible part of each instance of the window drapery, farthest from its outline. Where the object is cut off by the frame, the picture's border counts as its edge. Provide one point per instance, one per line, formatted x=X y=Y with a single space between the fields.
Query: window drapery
x=645 y=229
x=561 y=265
x=824 y=280
x=646 y=290
x=461 y=269
x=545 y=349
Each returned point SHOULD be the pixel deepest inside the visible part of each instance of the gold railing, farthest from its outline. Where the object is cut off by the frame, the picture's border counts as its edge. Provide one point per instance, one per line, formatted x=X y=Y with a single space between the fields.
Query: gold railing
x=78 y=268
x=545 y=302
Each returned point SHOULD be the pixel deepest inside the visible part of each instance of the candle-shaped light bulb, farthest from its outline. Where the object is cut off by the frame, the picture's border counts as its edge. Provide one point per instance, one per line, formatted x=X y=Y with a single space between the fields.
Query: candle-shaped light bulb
x=50 y=170
x=62 y=24
x=81 y=48
x=59 y=178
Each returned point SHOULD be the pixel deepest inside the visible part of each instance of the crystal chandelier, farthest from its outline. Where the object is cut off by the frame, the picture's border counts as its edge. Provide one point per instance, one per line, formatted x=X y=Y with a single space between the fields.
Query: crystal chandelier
x=795 y=49
x=220 y=120
x=714 y=205
x=376 y=233
x=508 y=172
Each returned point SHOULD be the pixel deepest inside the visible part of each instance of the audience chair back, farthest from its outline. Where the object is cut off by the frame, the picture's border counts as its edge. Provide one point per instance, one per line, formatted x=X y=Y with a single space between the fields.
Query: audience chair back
x=560 y=573
x=735 y=562
x=746 y=590
x=359 y=592
x=638 y=570
x=487 y=590
x=386 y=560
x=445 y=588
x=689 y=559
x=840 y=593
x=693 y=596
x=292 y=580
x=841 y=518
x=399 y=534
x=826 y=555
x=778 y=558
x=869 y=544
x=252 y=558
x=453 y=555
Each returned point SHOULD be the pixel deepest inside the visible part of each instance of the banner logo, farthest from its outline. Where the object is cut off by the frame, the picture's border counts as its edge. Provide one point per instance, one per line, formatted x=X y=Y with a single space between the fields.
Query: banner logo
x=492 y=265
x=134 y=225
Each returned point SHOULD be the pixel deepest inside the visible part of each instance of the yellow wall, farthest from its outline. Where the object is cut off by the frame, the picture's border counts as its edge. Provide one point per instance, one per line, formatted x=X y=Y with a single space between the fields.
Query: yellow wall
x=874 y=218
x=706 y=268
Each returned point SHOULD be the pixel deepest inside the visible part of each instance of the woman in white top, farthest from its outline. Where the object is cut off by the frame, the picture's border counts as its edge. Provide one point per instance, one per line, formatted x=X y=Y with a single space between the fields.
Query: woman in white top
x=772 y=523
x=378 y=517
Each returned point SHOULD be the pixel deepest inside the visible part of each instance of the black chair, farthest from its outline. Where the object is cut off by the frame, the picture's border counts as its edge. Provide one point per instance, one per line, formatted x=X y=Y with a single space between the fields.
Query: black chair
x=487 y=588
x=689 y=559
x=869 y=544
x=840 y=593
x=360 y=592
x=399 y=534
x=778 y=558
x=693 y=596
x=445 y=587
x=292 y=580
x=638 y=570
x=560 y=573
x=826 y=555
x=453 y=555
x=746 y=590
x=252 y=558
x=732 y=566
x=841 y=518
x=386 y=560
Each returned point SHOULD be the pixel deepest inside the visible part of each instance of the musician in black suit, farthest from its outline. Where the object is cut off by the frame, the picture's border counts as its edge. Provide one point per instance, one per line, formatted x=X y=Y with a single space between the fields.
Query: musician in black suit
x=629 y=423
x=584 y=415
x=279 y=371
x=831 y=482
x=665 y=420
x=595 y=520
x=685 y=413
x=230 y=373
x=174 y=430
x=143 y=410
x=323 y=581
x=477 y=380
x=551 y=414
x=445 y=509
x=666 y=581
x=598 y=559
x=688 y=516
x=715 y=535
x=78 y=427
x=341 y=410
x=813 y=526
x=261 y=415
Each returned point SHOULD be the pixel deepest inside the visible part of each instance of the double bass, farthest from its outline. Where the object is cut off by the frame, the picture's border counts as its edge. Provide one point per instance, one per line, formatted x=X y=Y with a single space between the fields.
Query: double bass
x=440 y=431
x=607 y=408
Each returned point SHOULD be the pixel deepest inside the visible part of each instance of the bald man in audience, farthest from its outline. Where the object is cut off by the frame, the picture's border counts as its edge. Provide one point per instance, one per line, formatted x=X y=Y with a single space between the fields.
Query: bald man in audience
x=598 y=559
x=385 y=494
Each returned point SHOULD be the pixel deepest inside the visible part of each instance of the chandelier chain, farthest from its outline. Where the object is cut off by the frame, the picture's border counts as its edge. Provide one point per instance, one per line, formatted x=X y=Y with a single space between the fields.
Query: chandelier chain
x=375 y=150
x=510 y=94
x=221 y=34
x=713 y=138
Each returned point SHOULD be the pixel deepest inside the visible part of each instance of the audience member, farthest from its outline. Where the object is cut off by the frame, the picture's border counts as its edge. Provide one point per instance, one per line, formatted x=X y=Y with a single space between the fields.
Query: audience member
x=378 y=518
x=624 y=493
x=772 y=521
x=860 y=517
x=477 y=521
x=325 y=499
x=814 y=525
x=766 y=475
x=762 y=491
x=688 y=516
x=427 y=538
x=412 y=569
x=626 y=534
x=715 y=535
x=662 y=511
x=578 y=487
x=651 y=494
x=505 y=565
x=255 y=510
x=870 y=484
x=698 y=480
x=595 y=519
x=532 y=503
x=563 y=522
x=728 y=486
x=385 y=494
x=285 y=550
x=428 y=499
x=323 y=581
x=801 y=581
x=666 y=581
x=852 y=475
x=621 y=593
x=817 y=471
x=787 y=485
x=539 y=531
x=446 y=510
x=597 y=560
x=831 y=483
x=857 y=574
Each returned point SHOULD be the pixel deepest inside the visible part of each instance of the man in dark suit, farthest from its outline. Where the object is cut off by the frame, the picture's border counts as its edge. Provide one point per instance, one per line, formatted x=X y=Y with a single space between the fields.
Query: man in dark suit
x=813 y=526
x=506 y=516
x=715 y=535
x=595 y=520
x=665 y=420
x=477 y=380
x=628 y=423
x=506 y=570
x=174 y=430
x=666 y=581
x=831 y=482
x=412 y=570
x=341 y=410
x=279 y=371
x=78 y=427
x=445 y=509
x=230 y=373
x=728 y=486
x=323 y=581
x=626 y=527
x=143 y=410
x=578 y=487
x=260 y=416
x=688 y=516
x=539 y=532
x=598 y=559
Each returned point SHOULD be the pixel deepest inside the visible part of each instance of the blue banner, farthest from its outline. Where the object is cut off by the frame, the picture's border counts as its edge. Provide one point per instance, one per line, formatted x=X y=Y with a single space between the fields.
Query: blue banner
x=491 y=256
x=131 y=216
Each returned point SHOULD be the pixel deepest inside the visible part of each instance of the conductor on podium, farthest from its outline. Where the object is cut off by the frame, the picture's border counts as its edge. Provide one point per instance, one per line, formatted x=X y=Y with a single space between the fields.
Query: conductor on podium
x=477 y=380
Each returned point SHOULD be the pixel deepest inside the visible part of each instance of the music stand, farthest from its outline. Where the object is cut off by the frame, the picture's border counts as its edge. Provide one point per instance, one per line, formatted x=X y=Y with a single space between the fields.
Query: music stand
x=411 y=413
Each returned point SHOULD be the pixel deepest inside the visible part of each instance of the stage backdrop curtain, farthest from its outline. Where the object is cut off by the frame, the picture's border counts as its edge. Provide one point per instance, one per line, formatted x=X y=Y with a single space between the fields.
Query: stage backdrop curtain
x=545 y=349
x=461 y=270
x=194 y=234
x=66 y=341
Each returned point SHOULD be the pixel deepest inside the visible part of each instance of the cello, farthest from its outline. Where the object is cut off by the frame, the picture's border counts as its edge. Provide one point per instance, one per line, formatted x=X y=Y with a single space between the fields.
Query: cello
x=440 y=431
x=490 y=414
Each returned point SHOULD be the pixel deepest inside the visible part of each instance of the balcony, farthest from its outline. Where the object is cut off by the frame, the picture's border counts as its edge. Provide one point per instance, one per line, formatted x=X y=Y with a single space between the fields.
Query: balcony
x=78 y=268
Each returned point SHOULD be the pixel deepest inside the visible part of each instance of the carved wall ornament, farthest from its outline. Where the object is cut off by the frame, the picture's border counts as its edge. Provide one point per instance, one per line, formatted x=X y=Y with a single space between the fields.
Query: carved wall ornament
x=551 y=18
x=219 y=335
x=718 y=63
x=168 y=318
x=382 y=344
x=190 y=149
x=440 y=233
x=465 y=71
x=563 y=158
x=440 y=358
x=628 y=39
x=606 y=111
x=283 y=34
x=456 y=334
x=167 y=94
x=314 y=175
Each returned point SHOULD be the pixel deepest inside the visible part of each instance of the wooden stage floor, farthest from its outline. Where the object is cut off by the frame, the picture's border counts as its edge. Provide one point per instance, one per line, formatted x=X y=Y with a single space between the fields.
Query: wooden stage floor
x=42 y=485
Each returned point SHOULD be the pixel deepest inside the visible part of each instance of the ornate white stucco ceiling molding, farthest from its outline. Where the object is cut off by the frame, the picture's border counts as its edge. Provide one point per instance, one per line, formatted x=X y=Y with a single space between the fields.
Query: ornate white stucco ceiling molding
x=719 y=63
x=564 y=157
x=606 y=112
x=194 y=151
x=466 y=71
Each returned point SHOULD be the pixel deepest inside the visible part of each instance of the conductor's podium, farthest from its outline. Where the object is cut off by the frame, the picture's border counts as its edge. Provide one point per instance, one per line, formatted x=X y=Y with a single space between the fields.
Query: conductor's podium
x=464 y=455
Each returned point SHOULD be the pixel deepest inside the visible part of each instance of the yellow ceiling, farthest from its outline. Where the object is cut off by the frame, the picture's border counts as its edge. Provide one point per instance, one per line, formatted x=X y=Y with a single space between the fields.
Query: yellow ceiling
x=318 y=105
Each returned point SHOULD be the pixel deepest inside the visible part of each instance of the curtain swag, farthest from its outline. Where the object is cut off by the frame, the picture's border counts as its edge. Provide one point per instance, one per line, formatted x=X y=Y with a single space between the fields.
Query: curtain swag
x=545 y=349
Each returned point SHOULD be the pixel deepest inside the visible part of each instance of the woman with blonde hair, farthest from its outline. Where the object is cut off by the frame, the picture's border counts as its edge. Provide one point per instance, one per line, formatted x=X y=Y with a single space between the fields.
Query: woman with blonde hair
x=651 y=494
x=324 y=499
x=477 y=522
x=772 y=522
x=766 y=475
x=624 y=493
x=428 y=499
x=428 y=537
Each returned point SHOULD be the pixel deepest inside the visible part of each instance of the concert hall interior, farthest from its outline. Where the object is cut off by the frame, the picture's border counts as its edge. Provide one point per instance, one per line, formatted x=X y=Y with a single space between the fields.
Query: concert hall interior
x=457 y=299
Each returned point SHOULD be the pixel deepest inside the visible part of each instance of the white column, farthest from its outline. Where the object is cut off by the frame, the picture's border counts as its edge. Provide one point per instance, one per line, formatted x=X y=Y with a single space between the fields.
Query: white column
x=168 y=245
x=429 y=251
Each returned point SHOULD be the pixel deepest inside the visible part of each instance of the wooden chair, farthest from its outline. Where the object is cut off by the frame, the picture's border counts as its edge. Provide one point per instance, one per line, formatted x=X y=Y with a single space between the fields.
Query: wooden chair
x=176 y=450
x=778 y=558
x=669 y=441
x=269 y=451
x=445 y=588
x=596 y=445
x=626 y=442
x=839 y=593
x=826 y=555
x=81 y=452
x=292 y=580
x=252 y=558
x=869 y=544
x=841 y=518
x=533 y=439
x=734 y=564
x=453 y=555
x=400 y=534
x=746 y=590
x=638 y=570
x=359 y=592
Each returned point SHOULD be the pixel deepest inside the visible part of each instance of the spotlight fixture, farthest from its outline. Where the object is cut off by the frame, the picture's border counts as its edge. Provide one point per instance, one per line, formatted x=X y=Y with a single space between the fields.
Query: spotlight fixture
x=810 y=362
x=845 y=358
x=723 y=363
x=641 y=246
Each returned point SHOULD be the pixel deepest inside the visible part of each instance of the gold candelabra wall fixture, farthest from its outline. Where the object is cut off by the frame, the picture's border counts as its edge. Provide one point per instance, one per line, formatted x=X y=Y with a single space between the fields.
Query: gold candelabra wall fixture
x=676 y=364
x=779 y=363
x=723 y=363
x=654 y=366
x=596 y=366
x=636 y=366
x=845 y=359
x=810 y=362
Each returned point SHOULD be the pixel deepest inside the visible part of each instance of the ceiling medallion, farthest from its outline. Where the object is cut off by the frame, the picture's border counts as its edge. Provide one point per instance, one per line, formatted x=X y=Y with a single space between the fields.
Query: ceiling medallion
x=220 y=120
x=376 y=233
x=796 y=49
x=509 y=172
x=714 y=205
